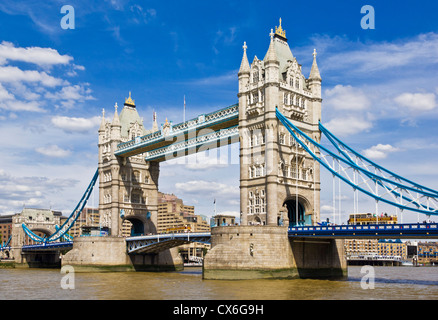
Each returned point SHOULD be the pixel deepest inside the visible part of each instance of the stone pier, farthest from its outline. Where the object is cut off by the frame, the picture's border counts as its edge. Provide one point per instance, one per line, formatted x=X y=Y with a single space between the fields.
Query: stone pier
x=265 y=252
x=91 y=254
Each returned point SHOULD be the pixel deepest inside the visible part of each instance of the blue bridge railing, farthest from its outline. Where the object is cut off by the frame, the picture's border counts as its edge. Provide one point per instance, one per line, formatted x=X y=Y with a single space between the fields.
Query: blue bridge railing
x=408 y=230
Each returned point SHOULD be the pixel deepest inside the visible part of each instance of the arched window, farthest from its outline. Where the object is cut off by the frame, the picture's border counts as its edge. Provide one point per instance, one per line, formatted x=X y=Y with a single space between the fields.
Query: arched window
x=255 y=76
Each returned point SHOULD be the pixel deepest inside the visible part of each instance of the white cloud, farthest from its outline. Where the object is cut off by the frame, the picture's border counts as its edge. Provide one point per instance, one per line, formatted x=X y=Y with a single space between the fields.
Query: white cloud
x=13 y=74
x=4 y=94
x=30 y=191
x=216 y=188
x=72 y=124
x=216 y=80
x=379 y=151
x=371 y=57
x=53 y=151
x=69 y=96
x=17 y=105
x=142 y=15
x=348 y=125
x=326 y=209
x=417 y=101
x=36 y=55
x=346 y=98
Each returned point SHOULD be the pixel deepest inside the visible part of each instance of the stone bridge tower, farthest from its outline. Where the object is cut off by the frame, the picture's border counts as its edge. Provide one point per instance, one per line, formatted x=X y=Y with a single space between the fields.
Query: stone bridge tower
x=128 y=187
x=279 y=181
x=37 y=220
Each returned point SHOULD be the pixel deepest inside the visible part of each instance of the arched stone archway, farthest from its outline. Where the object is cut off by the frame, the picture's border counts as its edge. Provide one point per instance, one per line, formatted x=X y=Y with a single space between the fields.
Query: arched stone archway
x=137 y=226
x=296 y=210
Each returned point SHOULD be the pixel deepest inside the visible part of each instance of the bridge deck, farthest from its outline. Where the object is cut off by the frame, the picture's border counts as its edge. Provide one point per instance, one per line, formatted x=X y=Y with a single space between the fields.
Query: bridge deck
x=382 y=231
x=159 y=242
x=51 y=246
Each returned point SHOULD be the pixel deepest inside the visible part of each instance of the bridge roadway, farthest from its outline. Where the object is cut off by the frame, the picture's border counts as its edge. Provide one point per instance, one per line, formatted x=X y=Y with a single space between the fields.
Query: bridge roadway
x=160 y=242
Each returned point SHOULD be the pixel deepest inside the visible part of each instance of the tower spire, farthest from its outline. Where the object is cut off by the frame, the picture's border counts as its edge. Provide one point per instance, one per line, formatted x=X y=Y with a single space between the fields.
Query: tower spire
x=280 y=32
x=314 y=72
x=271 y=54
x=129 y=102
x=116 y=120
x=244 y=65
x=154 y=122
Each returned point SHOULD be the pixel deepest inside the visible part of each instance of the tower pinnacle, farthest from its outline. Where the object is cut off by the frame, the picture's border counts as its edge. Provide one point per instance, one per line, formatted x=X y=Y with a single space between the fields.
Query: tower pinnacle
x=279 y=31
x=244 y=65
x=314 y=72
x=129 y=102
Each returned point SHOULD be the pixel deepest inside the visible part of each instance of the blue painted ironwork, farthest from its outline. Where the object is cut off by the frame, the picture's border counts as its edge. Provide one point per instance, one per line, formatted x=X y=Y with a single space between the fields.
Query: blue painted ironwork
x=48 y=246
x=68 y=224
x=66 y=236
x=186 y=146
x=341 y=145
x=222 y=119
x=5 y=246
x=391 y=187
x=373 y=231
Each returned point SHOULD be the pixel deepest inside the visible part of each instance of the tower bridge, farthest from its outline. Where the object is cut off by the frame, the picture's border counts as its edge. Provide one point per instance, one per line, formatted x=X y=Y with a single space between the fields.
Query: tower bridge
x=277 y=123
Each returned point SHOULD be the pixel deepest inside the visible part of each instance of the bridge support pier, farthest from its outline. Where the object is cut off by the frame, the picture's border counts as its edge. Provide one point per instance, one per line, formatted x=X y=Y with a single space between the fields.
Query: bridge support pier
x=90 y=254
x=36 y=259
x=257 y=252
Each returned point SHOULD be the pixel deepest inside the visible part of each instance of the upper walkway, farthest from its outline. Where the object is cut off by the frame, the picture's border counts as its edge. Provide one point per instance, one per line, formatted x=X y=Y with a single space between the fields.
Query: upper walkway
x=180 y=139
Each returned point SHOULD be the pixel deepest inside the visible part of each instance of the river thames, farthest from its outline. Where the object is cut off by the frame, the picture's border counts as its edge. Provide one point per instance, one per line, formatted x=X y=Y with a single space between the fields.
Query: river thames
x=390 y=283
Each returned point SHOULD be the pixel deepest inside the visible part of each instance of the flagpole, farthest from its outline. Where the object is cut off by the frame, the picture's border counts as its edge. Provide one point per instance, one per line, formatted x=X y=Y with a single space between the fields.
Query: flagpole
x=184 y=120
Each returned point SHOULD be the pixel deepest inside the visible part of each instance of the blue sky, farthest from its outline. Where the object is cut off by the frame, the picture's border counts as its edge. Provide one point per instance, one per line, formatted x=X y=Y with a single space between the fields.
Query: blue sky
x=379 y=86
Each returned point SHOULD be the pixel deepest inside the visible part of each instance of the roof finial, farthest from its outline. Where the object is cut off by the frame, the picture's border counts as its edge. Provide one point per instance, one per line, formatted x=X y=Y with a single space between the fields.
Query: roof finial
x=244 y=46
x=116 y=106
x=280 y=31
x=129 y=101
x=272 y=34
x=314 y=53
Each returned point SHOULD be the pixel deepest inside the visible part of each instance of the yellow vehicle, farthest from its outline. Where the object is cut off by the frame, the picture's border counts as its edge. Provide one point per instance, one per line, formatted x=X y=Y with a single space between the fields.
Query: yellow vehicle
x=184 y=229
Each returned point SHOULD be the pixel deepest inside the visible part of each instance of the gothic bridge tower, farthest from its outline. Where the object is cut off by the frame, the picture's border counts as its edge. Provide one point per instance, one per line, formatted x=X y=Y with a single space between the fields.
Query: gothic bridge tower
x=279 y=181
x=128 y=187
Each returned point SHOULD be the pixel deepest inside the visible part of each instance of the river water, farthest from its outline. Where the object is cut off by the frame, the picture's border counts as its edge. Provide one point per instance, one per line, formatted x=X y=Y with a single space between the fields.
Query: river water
x=413 y=283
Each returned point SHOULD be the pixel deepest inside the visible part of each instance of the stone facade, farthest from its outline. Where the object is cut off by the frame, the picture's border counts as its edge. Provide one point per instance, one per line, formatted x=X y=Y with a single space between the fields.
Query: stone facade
x=128 y=187
x=109 y=254
x=278 y=179
x=257 y=252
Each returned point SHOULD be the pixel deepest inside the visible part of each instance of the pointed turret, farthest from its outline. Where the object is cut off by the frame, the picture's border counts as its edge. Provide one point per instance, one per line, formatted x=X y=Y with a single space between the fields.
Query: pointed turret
x=103 y=122
x=154 y=123
x=244 y=70
x=271 y=55
x=116 y=120
x=314 y=72
x=272 y=64
x=244 y=65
